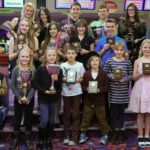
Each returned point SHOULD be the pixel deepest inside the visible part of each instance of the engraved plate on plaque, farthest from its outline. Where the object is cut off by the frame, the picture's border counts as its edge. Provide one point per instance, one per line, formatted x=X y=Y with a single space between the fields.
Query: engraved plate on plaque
x=93 y=87
x=71 y=76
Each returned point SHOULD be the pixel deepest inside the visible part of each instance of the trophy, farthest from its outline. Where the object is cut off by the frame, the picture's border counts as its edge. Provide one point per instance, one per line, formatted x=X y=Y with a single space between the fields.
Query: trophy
x=146 y=68
x=37 y=29
x=40 y=52
x=71 y=76
x=111 y=42
x=93 y=87
x=21 y=39
x=25 y=76
x=77 y=46
x=118 y=73
x=53 y=69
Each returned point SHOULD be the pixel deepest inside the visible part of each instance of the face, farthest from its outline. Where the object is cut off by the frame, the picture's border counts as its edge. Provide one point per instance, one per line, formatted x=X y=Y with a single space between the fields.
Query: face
x=75 y=11
x=24 y=58
x=119 y=52
x=131 y=12
x=28 y=12
x=51 y=56
x=24 y=26
x=110 y=28
x=43 y=16
x=146 y=49
x=103 y=13
x=95 y=63
x=53 y=31
x=71 y=55
x=81 y=29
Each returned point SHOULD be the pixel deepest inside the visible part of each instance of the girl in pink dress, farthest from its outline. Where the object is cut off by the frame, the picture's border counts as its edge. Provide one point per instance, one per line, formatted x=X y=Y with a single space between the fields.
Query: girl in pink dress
x=140 y=95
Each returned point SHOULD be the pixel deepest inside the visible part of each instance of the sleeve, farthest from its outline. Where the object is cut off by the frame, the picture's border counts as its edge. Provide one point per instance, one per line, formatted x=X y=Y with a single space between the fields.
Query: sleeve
x=13 y=83
x=84 y=83
x=98 y=46
x=3 y=88
x=82 y=70
x=91 y=39
x=59 y=81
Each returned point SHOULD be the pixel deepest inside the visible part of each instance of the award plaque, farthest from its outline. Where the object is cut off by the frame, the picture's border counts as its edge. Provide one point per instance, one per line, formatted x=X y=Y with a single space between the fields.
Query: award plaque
x=71 y=76
x=146 y=68
x=21 y=39
x=25 y=76
x=118 y=73
x=93 y=87
x=53 y=69
x=110 y=41
x=77 y=46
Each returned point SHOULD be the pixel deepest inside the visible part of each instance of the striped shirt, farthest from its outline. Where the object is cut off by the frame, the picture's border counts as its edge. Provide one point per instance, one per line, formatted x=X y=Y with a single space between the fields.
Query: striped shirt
x=119 y=91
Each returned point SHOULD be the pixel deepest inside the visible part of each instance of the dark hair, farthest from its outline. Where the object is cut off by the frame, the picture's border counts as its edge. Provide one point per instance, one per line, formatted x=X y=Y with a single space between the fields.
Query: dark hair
x=136 y=17
x=111 y=20
x=46 y=11
x=76 y=4
x=103 y=6
x=81 y=23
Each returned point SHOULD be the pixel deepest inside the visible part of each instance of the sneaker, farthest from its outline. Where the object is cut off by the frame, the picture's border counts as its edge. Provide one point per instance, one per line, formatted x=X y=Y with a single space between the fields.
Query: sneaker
x=66 y=140
x=83 y=138
x=104 y=139
x=147 y=142
x=72 y=142
x=141 y=142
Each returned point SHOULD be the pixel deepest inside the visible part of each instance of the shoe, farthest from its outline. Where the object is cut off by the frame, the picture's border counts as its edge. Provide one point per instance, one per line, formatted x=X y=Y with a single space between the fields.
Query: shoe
x=120 y=137
x=66 y=140
x=72 y=142
x=83 y=138
x=15 y=141
x=104 y=139
x=147 y=142
x=141 y=142
x=114 y=137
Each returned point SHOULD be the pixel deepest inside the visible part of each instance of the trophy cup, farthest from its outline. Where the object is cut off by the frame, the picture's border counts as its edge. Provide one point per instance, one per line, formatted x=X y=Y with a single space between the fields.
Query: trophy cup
x=146 y=68
x=71 y=76
x=37 y=29
x=93 y=87
x=21 y=39
x=77 y=46
x=25 y=76
x=118 y=73
x=111 y=42
x=53 y=69
x=40 y=52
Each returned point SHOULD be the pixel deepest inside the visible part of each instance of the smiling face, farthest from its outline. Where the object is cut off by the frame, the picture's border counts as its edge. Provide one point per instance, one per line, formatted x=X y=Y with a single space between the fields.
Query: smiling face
x=95 y=63
x=43 y=16
x=24 y=58
x=146 y=49
x=71 y=55
x=110 y=28
x=53 y=31
x=119 y=52
x=28 y=12
x=24 y=26
x=131 y=11
x=75 y=11
x=103 y=13
x=81 y=29
x=51 y=56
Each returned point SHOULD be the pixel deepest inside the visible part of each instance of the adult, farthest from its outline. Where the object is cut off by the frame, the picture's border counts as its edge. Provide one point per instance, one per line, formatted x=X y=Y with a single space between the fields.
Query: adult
x=133 y=30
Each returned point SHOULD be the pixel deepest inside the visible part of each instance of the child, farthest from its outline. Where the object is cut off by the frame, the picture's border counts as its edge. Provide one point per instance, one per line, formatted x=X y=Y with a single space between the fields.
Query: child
x=118 y=96
x=71 y=93
x=94 y=102
x=140 y=95
x=3 y=92
x=24 y=93
x=47 y=97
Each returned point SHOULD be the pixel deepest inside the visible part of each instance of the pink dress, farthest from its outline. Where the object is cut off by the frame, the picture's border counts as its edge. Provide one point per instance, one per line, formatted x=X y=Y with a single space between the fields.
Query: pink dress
x=140 y=95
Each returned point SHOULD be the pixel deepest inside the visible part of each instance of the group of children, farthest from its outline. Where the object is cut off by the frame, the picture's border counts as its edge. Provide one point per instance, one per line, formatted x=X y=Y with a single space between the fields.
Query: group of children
x=71 y=82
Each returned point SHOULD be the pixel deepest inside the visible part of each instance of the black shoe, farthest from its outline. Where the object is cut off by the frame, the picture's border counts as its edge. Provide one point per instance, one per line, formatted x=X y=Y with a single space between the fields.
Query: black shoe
x=120 y=137
x=147 y=142
x=49 y=144
x=15 y=141
x=114 y=137
x=141 y=142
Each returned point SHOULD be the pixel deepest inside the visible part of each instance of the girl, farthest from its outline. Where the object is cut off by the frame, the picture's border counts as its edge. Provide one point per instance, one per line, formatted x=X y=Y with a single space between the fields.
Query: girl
x=25 y=28
x=86 y=42
x=118 y=96
x=140 y=95
x=94 y=103
x=47 y=98
x=133 y=30
x=23 y=98
x=71 y=93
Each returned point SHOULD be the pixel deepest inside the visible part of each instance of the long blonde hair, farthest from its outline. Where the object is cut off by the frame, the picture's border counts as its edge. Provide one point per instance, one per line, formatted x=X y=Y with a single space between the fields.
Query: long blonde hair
x=140 y=51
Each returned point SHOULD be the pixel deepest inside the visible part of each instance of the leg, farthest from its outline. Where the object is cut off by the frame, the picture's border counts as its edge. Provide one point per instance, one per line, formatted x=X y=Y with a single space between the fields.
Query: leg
x=147 y=124
x=140 y=124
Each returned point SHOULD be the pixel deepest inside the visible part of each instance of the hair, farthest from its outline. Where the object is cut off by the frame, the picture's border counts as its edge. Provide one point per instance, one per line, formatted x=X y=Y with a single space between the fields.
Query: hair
x=111 y=20
x=47 y=13
x=103 y=6
x=47 y=50
x=145 y=41
x=120 y=43
x=30 y=35
x=29 y=4
x=26 y=49
x=90 y=59
x=136 y=17
x=48 y=36
x=81 y=23
x=76 y=4
x=71 y=47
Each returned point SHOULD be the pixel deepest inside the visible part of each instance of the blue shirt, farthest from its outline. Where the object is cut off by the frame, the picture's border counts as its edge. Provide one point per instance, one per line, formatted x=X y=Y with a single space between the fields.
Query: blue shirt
x=108 y=53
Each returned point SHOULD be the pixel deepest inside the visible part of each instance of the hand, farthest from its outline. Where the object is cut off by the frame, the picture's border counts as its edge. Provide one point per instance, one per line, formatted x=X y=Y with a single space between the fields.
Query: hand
x=106 y=46
x=54 y=77
x=83 y=51
x=122 y=80
x=24 y=100
x=98 y=90
x=2 y=92
x=47 y=92
x=20 y=46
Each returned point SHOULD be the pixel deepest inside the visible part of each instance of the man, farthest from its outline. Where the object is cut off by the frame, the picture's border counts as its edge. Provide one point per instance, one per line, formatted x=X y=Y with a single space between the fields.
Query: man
x=68 y=25
x=97 y=27
x=104 y=46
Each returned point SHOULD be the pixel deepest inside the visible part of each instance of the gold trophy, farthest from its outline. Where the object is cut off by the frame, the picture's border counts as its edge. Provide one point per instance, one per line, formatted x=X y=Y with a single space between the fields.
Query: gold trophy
x=146 y=68
x=21 y=39
x=118 y=73
x=53 y=69
x=93 y=87
x=77 y=46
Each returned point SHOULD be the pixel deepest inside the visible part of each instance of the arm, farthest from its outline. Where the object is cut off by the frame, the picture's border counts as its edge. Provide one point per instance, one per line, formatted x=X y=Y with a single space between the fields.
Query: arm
x=136 y=75
x=3 y=89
